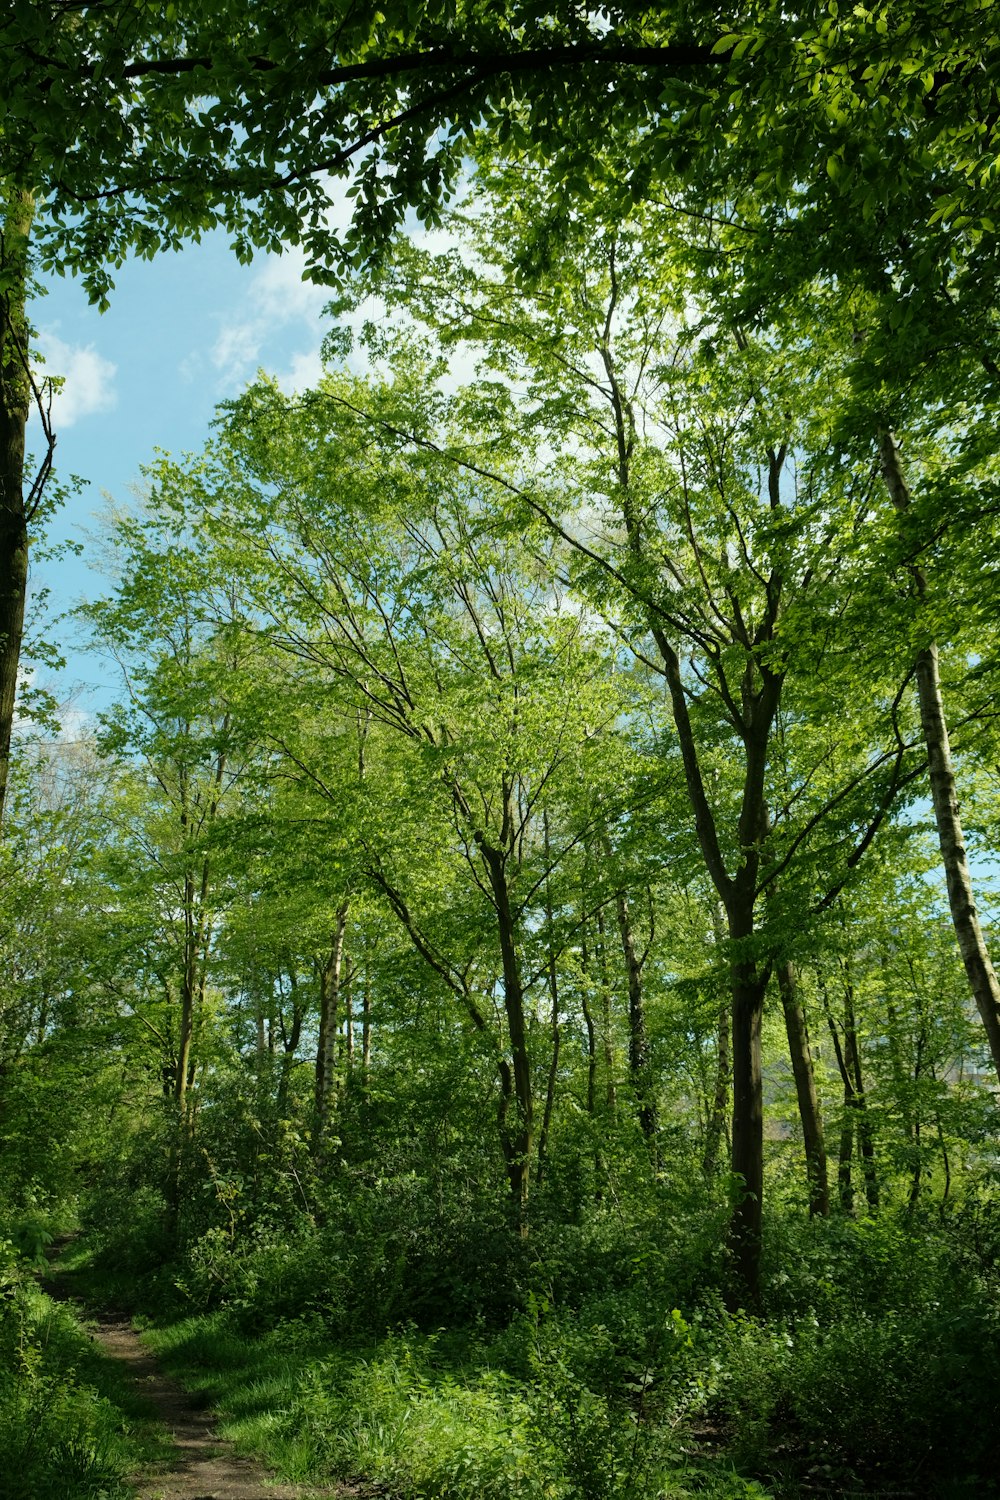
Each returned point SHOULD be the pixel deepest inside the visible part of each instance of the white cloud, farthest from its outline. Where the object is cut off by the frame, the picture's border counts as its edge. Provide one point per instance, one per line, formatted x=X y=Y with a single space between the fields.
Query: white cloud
x=277 y=298
x=303 y=372
x=238 y=347
x=282 y=292
x=88 y=379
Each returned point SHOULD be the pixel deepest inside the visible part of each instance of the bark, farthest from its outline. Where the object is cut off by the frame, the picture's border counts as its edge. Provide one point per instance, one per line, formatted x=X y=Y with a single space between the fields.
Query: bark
x=349 y=1011
x=196 y=937
x=189 y=992
x=915 y=1141
x=942 y=1143
x=749 y=986
x=197 y=930
x=866 y=1139
x=550 y=1089
x=716 y=1122
x=638 y=1042
x=909 y=1099
x=600 y=1165
x=329 y=991
x=805 y=1090
x=761 y=694
x=856 y=1121
x=192 y=995
x=366 y=1029
x=965 y=919
x=15 y=403
x=845 y=1188
x=591 y=1030
x=290 y=1038
x=517 y=1134
x=611 y=1085
x=717 y=1115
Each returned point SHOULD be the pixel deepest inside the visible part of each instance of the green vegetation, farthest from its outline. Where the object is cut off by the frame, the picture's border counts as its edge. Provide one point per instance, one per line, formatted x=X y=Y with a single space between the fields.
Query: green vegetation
x=505 y=989
x=71 y=1425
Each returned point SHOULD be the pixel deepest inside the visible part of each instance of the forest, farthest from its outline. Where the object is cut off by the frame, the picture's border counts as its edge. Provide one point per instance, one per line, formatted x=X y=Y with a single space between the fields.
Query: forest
x=501 y=999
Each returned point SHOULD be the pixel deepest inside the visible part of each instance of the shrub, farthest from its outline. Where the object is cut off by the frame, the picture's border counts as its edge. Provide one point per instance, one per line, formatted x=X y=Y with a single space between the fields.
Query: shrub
x=60 y=1439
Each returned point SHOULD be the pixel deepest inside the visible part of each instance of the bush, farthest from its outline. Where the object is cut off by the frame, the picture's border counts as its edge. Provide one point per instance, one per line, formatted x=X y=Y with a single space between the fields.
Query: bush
x=880 y=1364
x=59 y=1437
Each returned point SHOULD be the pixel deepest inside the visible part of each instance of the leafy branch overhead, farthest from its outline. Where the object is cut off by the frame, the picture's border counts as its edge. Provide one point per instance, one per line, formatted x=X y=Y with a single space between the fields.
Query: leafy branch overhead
x=136 y=127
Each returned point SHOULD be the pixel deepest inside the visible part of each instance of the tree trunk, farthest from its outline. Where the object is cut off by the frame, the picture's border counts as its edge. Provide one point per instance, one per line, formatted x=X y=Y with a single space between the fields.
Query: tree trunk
x=600 y=1164
x=856 y=1121
x=192 y=995
x=519 y=1135
x=749 y=986
x=189 y=993
x=845 y=1188
x=591 y=1030
x=965 y=919
x=748 y=1128
x=366 y=1029
x=329 y=991
x=349 y=1011
x=717 y=1116
x=805 y=1090
x=909 y=1100
x=638 y=1042
x=866 y=1140
x=15 y=403
x=550 y=1089
x=716 y=1122
x=611 y=1079
x=290 y=1038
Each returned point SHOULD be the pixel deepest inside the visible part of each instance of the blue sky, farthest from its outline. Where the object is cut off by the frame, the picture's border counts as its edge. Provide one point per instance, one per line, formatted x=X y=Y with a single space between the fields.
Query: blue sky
x=184 y=332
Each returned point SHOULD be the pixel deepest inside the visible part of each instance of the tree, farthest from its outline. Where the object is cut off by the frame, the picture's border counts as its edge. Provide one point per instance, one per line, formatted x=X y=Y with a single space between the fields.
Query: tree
x=412 y=627
x=63 y=1035
x=181 y=765
x=158 y=126
x=153 y=129
x=982 y=978
x=704 y=510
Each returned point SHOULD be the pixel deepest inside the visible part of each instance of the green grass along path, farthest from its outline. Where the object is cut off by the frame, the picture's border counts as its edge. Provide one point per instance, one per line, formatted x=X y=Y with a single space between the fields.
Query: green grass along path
x=199 y=1465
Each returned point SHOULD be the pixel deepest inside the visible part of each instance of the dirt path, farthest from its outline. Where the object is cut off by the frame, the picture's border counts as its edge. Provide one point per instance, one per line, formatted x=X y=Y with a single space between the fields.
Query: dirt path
x=202 y=1466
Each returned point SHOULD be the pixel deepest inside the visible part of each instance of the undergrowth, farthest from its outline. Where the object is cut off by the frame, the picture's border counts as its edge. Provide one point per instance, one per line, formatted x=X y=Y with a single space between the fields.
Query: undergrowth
x=437 y=1415
x=414 y=1340
x=70 y=1426
x=874 y=1366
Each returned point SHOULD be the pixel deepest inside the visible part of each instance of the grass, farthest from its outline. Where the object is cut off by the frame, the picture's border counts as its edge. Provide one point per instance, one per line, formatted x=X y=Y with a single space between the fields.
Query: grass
x=427 y=1416
x=876 y=1370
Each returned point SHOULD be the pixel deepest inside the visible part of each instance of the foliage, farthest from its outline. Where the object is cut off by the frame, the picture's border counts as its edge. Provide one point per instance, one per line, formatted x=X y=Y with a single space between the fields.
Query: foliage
x=517 y=782
x=68 y=1426
x=877 y=1366
x=432 y=1415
